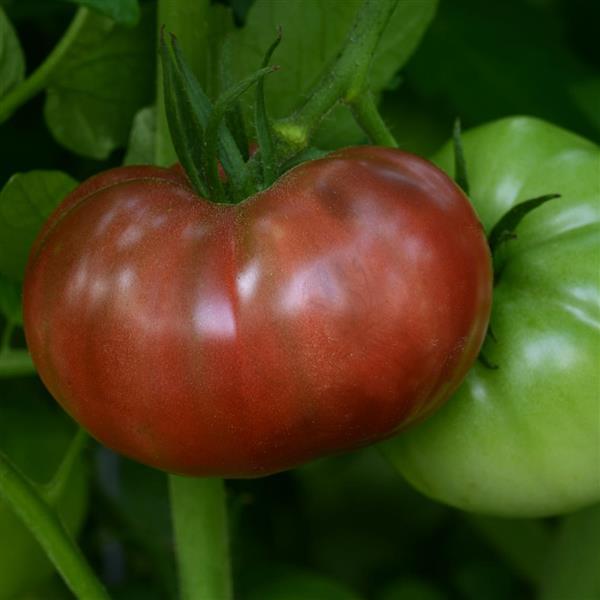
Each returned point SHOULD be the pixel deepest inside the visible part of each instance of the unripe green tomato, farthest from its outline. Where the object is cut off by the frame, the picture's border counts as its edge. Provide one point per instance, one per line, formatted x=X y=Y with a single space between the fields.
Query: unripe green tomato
x=35 y=436
x=524 y=439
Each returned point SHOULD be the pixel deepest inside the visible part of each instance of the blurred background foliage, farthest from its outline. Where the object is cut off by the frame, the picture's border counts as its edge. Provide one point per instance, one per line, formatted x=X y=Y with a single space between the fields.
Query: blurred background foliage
x=347 y=527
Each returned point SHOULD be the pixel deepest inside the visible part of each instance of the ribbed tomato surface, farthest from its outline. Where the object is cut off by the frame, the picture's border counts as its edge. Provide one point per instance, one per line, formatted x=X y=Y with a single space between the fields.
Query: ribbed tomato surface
x=327 y=312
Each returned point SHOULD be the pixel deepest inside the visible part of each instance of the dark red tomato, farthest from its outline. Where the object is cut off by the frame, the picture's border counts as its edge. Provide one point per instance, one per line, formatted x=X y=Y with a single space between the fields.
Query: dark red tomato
x=327 y=312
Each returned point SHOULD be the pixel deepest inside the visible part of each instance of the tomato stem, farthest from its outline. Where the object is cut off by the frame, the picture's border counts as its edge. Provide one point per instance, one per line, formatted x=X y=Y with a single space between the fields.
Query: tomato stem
x=346 y=80
x=367 y=116
x=200 y=524
x=39 y=79
x=54 y=489
x=15 y=363
x=6 y=337
x=49 y=531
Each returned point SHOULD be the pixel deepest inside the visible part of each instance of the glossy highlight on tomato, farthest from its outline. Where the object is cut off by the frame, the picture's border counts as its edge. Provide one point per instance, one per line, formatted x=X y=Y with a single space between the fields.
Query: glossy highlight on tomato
x=322 y=314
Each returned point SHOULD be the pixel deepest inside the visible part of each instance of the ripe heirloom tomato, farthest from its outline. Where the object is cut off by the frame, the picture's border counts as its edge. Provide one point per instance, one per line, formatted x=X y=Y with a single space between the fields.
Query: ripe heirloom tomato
x=324 y=313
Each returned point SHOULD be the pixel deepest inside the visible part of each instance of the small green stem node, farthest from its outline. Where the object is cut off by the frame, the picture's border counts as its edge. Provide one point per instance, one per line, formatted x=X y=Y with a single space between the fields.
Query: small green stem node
x=345 y=80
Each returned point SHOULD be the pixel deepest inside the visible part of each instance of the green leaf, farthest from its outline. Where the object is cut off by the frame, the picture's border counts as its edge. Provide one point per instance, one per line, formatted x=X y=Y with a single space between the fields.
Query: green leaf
x=124 y=12
x=140 y=150
x=104 y=79
x=26 y=201
x=10 y=301
x=12 y=61
x=314 y=30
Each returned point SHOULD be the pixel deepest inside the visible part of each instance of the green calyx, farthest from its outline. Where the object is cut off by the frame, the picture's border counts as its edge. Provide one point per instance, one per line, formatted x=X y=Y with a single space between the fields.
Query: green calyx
x=200 y=136
x=263 y=126
x=208 y=135
x=505 y=229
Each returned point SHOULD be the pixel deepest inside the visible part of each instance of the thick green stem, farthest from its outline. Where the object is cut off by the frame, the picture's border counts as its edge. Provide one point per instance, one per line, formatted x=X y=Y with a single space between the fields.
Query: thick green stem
x=367 y=116
x=200 y=524
x=6 y=337
x=48 y=529
x=15 y=363
x=55 y=488
x=346 y=80
x=39 y=79
x=197 y=505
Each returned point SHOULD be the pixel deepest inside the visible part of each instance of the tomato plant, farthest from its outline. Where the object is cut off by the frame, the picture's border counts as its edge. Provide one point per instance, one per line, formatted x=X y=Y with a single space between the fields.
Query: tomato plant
x=533 y=443
x=328 y=299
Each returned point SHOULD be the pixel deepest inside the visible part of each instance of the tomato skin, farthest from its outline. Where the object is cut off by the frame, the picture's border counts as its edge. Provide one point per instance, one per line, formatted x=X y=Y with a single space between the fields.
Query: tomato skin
x=327 y=312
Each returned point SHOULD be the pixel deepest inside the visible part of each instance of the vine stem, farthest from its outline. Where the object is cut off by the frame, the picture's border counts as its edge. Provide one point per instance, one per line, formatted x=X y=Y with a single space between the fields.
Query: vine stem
x=6 y=337
x=43 y=522
x=55 y=488
x=197 y=505
x=15 y=363
x=367 y=116
x=345 y=80
x=38 y=80
x=200 y=524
